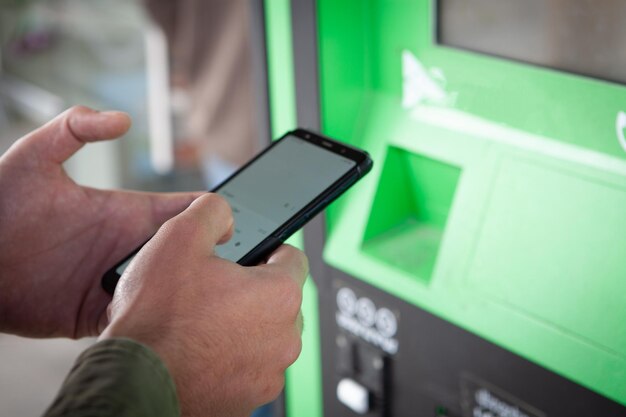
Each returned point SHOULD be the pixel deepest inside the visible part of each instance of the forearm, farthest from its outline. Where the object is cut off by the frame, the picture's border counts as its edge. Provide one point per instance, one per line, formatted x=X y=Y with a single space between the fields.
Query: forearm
x=117 y=377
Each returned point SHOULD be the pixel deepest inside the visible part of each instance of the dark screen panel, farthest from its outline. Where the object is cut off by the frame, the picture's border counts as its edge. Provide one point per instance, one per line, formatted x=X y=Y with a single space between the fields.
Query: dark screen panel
x=585 y=37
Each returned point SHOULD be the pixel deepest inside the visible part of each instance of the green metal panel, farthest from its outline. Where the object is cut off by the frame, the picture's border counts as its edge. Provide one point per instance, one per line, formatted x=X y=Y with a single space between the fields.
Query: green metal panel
x=506 y=182
x=280 y=67
x=303 y=380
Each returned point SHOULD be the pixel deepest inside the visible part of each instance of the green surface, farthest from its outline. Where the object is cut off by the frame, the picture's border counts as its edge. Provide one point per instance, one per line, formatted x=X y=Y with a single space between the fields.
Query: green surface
x=303 y=389
x=498 y=191
x=281 y=82
x=497 y=196
x=407 y=232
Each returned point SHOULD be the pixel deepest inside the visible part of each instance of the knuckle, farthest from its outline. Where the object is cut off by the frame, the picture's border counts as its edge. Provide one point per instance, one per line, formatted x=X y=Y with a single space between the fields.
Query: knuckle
x=293 y=251
x=299 y=258
x=304 y=262
x=76 y=110
x=216 y=202
x=217 y=206
x=292 y=351
x=178 y=226
x=291 y=296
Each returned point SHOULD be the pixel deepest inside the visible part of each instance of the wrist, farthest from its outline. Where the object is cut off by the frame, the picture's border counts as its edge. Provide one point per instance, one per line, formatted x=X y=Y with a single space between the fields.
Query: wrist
x=122 y=372
x=152 y=339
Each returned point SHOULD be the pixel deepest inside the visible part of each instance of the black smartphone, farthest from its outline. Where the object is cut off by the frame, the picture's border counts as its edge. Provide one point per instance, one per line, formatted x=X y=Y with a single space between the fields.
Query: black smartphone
x=277 y=192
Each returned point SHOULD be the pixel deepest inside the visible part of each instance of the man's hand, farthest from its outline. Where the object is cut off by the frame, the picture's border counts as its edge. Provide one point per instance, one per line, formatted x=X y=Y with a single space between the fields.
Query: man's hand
x=226 y=333
x=58 y=238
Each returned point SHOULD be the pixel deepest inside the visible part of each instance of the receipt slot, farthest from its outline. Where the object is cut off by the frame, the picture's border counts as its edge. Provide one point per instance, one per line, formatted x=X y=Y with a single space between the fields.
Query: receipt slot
x=479 y=270
x=361 y=355
x=353 y=395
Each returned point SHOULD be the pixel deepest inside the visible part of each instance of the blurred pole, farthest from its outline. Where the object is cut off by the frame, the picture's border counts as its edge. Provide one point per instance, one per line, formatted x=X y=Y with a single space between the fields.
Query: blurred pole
x=4 y=120
x=159 y=114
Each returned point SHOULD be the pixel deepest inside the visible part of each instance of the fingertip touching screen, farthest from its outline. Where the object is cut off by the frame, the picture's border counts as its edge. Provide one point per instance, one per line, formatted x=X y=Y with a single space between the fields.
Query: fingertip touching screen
x=274 y=188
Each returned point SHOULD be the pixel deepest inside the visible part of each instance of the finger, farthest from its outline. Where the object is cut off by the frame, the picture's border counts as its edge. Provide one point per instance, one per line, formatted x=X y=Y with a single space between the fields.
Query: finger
x=211 y=215
x=294 y=260
x=138 y=215
x=229 y=235
x=67 y=133
x=300 y=323
x=157 y=207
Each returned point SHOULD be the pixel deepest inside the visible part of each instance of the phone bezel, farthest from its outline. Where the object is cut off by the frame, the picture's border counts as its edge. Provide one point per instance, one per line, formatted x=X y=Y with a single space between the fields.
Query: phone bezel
x=300 y=218
x=333 y=191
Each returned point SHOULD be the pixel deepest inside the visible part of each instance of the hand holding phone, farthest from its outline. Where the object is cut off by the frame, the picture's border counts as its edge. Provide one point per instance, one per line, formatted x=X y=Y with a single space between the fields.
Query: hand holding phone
x=277 y=192
x=189 y=321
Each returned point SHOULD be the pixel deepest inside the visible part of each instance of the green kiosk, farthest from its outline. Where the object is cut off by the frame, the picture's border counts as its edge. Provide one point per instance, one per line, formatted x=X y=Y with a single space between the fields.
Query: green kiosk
x=480 y=269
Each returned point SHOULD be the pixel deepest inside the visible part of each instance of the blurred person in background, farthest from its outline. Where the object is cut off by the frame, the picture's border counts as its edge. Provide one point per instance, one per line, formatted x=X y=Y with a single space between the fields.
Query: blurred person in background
x=209 y=43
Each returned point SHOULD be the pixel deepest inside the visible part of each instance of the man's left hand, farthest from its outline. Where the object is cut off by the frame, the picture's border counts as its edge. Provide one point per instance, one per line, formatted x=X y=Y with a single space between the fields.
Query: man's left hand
x=58 y=238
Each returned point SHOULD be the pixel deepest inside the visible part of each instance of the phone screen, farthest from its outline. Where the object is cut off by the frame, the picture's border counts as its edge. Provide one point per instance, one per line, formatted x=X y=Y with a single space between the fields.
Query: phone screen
x=273 y=188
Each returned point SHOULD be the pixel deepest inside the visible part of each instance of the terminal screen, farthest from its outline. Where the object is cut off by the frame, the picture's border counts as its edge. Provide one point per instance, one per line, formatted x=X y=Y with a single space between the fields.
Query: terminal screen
x=580 y=36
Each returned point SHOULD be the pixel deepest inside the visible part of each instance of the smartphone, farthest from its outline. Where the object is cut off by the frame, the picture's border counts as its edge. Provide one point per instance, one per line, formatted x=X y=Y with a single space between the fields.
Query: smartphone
x=277 y=193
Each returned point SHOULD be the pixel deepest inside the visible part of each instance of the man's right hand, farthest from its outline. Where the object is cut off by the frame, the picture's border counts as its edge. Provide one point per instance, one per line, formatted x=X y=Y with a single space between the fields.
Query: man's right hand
x=226 y=332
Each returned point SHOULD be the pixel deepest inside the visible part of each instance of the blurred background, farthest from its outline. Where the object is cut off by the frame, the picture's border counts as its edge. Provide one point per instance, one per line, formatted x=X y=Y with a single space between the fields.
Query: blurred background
x=181 y=69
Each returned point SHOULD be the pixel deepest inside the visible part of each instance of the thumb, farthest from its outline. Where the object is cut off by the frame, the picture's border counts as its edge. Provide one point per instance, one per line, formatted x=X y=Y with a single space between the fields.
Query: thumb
x=156 y=207
x=138 y=215
x=63 y=136
x=209 y=218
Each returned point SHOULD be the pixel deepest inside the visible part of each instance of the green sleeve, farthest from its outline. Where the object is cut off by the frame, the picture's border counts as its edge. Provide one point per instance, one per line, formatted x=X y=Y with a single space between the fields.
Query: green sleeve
x=117 y=377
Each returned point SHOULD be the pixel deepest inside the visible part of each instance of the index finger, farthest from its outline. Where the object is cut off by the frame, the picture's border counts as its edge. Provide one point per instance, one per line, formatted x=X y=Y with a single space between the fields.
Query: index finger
x=292 y=259
x=208 y=217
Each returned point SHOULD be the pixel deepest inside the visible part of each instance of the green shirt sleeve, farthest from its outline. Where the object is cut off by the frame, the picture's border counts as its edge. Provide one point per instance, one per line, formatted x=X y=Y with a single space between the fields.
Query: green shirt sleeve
x=117 y=377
